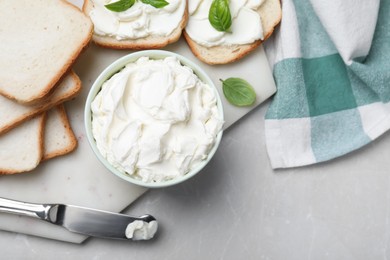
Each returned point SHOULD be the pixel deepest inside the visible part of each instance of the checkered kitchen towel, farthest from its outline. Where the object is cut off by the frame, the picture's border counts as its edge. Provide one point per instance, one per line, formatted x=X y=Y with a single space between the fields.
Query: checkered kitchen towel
x=331 y=63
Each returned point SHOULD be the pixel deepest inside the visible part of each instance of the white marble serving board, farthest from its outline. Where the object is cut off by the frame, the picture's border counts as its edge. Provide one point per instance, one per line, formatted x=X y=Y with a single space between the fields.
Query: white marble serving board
x=79 y=178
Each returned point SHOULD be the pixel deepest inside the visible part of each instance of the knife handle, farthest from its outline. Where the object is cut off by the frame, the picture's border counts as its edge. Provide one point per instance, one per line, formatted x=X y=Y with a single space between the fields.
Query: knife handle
x=40 y=211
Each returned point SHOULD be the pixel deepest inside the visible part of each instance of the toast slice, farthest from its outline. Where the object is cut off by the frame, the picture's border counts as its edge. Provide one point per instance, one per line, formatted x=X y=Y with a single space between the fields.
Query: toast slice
x=12 y=113
x=270 y=12
x=40 y=40
x=59 y=138
x=21 y=149
x=150 y=42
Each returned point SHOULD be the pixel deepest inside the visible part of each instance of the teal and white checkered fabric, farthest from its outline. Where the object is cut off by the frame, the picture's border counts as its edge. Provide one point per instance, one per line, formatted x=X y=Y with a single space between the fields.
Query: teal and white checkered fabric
x=331 y=63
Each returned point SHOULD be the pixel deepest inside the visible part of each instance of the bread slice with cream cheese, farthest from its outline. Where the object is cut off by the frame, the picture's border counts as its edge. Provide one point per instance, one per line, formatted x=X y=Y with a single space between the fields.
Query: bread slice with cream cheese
x=40 y=40
x=12 y=113
x=148 y=42
x=270 y=13
x=21 y=149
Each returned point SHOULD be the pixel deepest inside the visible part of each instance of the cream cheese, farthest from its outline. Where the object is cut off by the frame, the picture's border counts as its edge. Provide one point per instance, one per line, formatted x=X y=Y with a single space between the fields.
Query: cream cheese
x=155 y=119
x=141 y=230
x=246 y=23
x=139 y=21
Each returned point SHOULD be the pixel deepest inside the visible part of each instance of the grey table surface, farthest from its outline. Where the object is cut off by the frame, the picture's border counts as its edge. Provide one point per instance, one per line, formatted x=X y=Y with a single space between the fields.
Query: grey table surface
x=239 y=208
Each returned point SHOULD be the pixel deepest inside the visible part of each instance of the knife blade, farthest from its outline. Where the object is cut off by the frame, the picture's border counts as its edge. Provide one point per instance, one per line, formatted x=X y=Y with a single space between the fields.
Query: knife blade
x=86 y=221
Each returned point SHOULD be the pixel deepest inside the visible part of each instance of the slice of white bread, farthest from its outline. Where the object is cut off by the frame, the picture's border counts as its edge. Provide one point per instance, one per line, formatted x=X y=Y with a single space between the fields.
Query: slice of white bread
x=21 y=149
x=270 y=12
x=13 y=113
x=150 y=42
x=59 y=138
x=40 y=40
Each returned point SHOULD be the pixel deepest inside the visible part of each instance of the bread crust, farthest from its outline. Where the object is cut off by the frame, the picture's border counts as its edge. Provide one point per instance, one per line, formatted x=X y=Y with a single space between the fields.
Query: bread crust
x=46 y=104
x=41 y=138
x=230 y=53
x=60 y=109
x=150 y=42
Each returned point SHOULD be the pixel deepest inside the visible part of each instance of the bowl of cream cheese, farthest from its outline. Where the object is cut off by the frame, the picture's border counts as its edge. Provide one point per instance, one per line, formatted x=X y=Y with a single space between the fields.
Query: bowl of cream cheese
x=154 y=118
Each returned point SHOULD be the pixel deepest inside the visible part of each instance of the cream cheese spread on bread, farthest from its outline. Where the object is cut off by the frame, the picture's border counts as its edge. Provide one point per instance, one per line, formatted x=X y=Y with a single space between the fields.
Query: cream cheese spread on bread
x=155 y=119
x=246 y=23
x=139 y=21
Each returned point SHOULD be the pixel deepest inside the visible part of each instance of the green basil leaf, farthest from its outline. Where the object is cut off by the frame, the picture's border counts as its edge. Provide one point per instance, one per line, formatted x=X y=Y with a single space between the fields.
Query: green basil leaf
x=219 y=15
x=156 y=3
x=238 y=92
x=120 y=6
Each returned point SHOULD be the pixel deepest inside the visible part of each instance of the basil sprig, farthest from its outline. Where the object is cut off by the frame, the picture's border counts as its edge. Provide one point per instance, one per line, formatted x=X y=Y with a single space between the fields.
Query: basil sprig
x=120 y=6
x=238 y=92
x=155 y=3
x=219 y=15
x=123 y=5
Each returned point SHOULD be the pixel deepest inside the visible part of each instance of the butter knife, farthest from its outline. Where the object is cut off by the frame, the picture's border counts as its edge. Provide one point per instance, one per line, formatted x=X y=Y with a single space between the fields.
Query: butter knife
x=86 y=221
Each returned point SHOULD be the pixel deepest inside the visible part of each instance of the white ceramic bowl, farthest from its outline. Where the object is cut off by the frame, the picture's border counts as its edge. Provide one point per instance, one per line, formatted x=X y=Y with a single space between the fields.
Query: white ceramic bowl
x=115 y=67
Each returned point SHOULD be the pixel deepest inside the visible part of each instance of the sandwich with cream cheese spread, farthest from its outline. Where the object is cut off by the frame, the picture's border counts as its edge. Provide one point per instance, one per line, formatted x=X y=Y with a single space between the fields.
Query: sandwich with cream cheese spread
x=136 y=24
x=223 y=31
